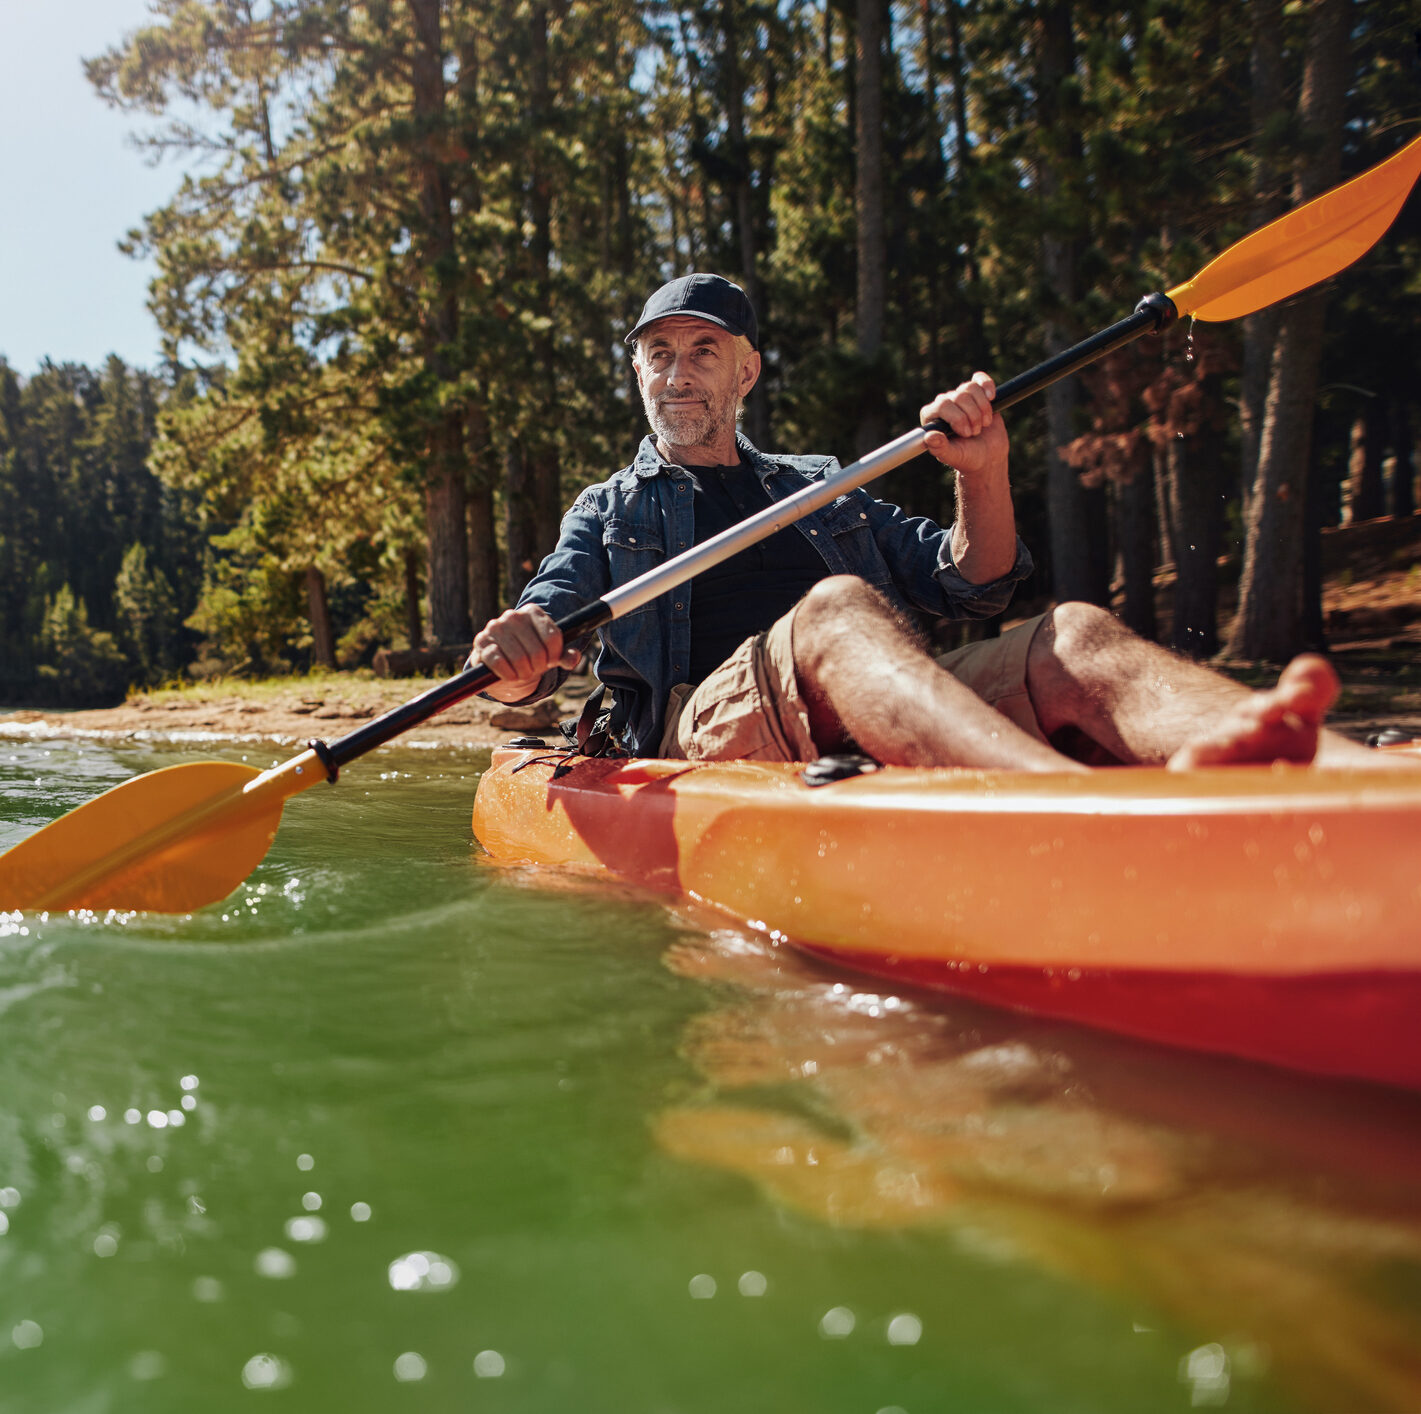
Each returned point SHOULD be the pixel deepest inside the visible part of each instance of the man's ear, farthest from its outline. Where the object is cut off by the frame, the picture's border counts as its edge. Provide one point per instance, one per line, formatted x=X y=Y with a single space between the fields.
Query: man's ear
x=750 y=372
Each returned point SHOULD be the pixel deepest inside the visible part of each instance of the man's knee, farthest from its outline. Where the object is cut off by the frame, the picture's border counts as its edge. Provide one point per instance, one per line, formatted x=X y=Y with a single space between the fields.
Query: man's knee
x=841 y=594
x=1075 y=630
x=837 y=605
x=840 y=613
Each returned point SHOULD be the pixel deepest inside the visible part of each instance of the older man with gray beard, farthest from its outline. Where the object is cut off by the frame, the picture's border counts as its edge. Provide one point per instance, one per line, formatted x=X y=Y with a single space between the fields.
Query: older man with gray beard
x=812 y=641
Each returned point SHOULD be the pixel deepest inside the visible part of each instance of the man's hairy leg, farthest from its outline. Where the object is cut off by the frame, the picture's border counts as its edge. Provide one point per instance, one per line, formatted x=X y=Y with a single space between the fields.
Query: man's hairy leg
x=1144 y=704
x=865 y=678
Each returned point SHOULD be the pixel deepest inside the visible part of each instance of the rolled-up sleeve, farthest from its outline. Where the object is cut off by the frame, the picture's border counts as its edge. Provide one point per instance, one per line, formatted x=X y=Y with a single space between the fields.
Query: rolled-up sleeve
x=918 y=553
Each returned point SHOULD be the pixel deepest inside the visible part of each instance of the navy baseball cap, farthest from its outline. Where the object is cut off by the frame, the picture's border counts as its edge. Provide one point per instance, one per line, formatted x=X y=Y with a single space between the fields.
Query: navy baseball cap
x=708 y=297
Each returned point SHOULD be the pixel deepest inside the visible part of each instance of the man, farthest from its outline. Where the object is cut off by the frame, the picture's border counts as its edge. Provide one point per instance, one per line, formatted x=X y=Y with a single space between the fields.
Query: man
x=806 y=644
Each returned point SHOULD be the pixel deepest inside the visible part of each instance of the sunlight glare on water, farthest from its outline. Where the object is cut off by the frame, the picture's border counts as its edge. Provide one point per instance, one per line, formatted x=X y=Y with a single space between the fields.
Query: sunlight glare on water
x=391 y=1128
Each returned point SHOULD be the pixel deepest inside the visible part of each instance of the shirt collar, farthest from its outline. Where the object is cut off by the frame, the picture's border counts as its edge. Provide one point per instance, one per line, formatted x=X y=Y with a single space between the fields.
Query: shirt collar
x=648 y=462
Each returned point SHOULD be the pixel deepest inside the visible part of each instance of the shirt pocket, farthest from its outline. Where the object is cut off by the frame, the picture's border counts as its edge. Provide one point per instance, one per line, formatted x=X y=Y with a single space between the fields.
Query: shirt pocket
x=632 y=548
x=848 y=524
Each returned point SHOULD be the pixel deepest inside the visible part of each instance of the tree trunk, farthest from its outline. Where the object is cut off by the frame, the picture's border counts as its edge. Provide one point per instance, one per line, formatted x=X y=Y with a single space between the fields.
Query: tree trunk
x=323 y=643
x=414 y=630
x=482 y=554
x=1314 y=627
x=445 y=464
x=1403 y=479
x=1260 y=329
x=1134 y=534
x=1080 y=566
x=976 y=350
x=1159 y=464
x=872 y=277
x=1196 y=520
x=444 y=510
x=483 y=540
x=744 y=225
x=700 y=188
x=1269 y=622
x=520 y=519
x=1366 y=481
x=543 y=459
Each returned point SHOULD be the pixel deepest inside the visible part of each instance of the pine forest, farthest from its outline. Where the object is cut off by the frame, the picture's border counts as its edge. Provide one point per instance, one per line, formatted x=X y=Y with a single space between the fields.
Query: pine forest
x=392 y=288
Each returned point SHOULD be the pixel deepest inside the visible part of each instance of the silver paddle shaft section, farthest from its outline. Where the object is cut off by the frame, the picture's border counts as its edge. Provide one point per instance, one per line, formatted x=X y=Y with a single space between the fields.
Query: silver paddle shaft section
x=634 y=593
x=646 y=587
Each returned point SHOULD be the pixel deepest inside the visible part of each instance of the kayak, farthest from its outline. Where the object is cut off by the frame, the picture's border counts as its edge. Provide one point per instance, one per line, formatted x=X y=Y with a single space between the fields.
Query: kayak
x=1271 y=913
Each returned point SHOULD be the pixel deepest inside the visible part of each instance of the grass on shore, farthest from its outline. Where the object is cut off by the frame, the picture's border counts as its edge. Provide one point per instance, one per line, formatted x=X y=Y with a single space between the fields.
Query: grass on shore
x=318 y=685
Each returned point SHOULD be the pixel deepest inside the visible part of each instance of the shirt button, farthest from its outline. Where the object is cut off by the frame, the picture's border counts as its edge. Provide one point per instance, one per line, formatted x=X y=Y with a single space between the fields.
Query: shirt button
x=814 y=532
x=680 y=606
x=862 y=516
x=680 y=544
x=631 y=539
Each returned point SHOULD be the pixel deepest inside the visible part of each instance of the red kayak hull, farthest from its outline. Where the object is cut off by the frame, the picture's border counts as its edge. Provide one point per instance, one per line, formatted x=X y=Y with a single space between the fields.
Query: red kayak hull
x=1268 y=913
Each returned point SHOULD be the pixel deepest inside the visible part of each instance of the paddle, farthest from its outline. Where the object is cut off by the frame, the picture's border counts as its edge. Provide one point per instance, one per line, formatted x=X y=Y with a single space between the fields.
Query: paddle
x=176 y=839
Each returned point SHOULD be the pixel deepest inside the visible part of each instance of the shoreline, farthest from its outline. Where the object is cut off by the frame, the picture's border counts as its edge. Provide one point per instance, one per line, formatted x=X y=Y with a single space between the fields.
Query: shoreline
x=291 y=715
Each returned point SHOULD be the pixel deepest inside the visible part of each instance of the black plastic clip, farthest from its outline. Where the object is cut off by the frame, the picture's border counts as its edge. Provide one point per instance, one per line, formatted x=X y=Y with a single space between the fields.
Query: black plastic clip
x=1389 y=736
x=544 y=756
x=1161 y=307
x=836 y=768
x=323 y=755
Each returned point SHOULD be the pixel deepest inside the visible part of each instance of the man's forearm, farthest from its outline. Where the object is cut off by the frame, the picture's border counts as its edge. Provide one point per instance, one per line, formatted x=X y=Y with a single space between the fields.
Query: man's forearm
x=984 y=533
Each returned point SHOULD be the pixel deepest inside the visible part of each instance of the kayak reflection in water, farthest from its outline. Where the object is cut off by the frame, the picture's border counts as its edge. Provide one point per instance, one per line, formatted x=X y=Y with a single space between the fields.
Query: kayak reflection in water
x=766 y=656
x=1272 y=1218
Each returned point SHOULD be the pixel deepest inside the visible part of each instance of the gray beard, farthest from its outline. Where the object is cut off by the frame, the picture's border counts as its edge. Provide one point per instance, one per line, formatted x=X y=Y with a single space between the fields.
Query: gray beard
x=692 y=428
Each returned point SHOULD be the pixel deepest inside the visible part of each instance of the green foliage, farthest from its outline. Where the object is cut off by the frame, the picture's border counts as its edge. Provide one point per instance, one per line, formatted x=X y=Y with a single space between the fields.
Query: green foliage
x=79 y=665
x=75 y=494
x=249 y=615
x=393 y=283
x=148 y=620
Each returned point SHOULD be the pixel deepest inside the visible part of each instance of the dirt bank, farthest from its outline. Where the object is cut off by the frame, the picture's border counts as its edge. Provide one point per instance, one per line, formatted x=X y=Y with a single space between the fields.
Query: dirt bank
x=326 y=708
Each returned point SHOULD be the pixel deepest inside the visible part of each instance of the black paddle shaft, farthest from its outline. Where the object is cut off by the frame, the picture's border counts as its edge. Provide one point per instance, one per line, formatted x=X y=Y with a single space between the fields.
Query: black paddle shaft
x=442 y=695
x=1151 y=315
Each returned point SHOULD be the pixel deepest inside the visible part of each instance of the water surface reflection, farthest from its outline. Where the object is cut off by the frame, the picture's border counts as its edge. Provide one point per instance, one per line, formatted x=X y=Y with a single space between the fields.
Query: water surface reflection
x=1274 y=1219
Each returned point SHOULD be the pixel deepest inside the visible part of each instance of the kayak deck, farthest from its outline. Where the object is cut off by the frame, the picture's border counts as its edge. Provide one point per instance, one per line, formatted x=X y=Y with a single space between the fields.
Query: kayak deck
x=1273 y=913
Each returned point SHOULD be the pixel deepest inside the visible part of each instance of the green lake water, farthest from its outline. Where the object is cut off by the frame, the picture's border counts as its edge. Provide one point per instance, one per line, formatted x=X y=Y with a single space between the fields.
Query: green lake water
x=392 y=1129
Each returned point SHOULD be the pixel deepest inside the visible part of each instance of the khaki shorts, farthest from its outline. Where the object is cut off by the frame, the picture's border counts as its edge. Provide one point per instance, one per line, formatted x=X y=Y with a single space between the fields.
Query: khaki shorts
x=995 y=669
x=750 y=708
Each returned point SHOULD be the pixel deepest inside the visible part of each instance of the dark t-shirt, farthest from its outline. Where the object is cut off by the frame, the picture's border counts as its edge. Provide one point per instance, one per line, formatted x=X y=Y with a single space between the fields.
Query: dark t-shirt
x=745 y=594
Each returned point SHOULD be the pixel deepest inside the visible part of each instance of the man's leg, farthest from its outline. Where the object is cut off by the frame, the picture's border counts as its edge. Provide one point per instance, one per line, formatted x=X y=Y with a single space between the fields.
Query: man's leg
x=865 y=678
x=1144 y=704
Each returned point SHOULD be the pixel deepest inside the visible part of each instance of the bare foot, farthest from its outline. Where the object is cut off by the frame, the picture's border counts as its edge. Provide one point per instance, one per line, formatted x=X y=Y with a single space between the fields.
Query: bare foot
x=1279 y=724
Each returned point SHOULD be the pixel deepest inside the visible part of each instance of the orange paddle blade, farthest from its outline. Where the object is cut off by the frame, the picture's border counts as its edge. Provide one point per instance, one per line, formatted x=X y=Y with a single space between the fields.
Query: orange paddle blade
x=171 y=841
x=1306 y=245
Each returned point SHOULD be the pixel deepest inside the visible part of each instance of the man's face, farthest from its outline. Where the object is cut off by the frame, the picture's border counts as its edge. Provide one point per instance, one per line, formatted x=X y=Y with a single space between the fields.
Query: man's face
x=691 y=380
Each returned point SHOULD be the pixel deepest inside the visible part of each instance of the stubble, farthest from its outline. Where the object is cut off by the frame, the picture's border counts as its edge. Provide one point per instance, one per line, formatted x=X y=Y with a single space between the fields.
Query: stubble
x=691 y=427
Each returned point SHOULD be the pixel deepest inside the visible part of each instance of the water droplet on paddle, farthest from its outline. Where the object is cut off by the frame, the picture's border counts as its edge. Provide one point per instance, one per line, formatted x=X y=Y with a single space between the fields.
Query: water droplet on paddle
x=1189 y=342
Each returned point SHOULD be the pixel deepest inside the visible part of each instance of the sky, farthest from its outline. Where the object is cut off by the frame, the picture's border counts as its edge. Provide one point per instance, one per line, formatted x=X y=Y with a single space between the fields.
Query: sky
x=71 y=185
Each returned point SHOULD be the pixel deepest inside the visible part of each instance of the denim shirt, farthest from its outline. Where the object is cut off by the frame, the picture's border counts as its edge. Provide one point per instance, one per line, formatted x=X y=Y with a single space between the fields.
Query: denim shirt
x=642 y=516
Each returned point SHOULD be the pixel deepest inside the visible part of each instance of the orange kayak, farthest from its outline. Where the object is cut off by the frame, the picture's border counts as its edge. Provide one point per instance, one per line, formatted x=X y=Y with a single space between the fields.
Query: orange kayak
x=1269 y=913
